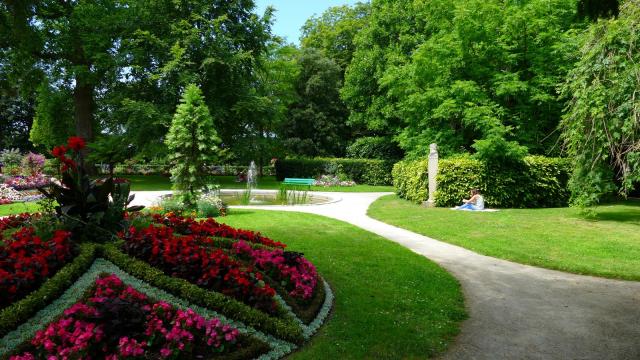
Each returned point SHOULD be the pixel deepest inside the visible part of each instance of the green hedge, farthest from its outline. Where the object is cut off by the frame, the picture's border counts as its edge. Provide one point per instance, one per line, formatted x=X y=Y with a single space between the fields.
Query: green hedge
x=17 y=313
x=537 y=182
x=282 y=328
x=362 y=171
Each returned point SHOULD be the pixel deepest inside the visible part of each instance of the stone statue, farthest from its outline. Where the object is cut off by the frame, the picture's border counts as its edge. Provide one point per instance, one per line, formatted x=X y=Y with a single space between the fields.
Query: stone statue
x=432 y=172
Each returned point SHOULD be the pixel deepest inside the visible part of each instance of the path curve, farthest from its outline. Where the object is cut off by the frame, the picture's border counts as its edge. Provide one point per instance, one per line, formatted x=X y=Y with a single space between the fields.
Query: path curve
x=516 y=311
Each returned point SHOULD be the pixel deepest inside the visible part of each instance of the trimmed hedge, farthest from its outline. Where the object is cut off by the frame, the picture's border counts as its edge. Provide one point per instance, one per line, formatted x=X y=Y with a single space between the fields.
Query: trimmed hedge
x=362 y=171
x=537 y=182
x=19 y=312
x=286 y=329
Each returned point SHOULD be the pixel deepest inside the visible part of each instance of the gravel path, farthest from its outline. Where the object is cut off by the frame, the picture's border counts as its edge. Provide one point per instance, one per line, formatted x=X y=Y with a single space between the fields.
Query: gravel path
x=516 y=311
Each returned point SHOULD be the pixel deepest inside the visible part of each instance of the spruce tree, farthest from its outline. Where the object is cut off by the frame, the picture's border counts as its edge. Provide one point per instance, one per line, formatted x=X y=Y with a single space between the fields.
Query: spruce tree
x=193 y=143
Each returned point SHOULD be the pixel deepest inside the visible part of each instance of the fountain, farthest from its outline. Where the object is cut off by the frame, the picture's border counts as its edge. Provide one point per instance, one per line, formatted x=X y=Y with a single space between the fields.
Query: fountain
x=252 y=182
x=252 y=176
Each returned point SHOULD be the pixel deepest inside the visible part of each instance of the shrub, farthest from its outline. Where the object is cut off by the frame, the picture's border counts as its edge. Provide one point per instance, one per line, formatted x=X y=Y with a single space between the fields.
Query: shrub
x=410 y=180
x=362 y=171
x=377 y=147
x=536 y=182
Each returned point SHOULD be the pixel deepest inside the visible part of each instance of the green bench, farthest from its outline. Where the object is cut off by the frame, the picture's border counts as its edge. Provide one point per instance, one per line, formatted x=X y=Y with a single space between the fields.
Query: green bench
x=299 y=182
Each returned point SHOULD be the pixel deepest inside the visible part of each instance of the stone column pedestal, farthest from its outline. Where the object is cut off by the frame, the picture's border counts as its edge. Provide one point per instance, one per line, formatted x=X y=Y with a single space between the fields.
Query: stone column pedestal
x=432 y=169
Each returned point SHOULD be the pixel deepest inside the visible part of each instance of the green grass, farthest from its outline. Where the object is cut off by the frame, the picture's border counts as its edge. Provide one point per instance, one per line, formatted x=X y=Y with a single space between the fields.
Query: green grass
x=158 y=182
x=18 y=208
x=607 y=244
x=390 y=302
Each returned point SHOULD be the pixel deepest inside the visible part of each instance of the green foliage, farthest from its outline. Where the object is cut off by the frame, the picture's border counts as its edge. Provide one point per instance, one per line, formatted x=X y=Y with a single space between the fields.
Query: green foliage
x=53 y=120
x=601 y=126
x=536 y=182
x=20 y=311
x=284 y=328
x=110 y=150
x=192 y=141
x=362 y=171
x=462 y=74
x=333 y=31
x=411 y=180
x=316 y=123
x=265 y=107
x=376 y=147
x=10 y=157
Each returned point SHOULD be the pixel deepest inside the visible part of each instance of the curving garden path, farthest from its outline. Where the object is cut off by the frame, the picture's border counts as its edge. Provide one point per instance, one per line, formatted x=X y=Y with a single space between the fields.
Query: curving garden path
x=516 y=311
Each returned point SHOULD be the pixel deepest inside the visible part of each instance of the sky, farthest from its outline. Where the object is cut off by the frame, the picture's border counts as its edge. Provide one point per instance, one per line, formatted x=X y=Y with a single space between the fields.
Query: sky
x=291 y=14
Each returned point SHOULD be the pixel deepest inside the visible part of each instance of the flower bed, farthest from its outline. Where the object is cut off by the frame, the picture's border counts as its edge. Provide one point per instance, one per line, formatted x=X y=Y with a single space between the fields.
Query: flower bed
x=115 y=321
x=210 y=227
x=184 y=257
x=332 y=180
x=296 y=273
x=27 y=182
x=49 y=264
x=289 y=273
x=26 y=260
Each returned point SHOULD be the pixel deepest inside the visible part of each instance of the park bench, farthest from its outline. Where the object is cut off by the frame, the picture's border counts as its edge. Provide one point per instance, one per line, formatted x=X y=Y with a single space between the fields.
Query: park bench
x=299 y=182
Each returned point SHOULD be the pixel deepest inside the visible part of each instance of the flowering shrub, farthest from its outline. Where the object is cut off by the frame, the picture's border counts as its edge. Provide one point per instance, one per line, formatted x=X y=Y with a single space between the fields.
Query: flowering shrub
x=26 y=260
x=210 y=227
x=185 y=257
x=116 y=322
x=33 y=163
x=299 y=275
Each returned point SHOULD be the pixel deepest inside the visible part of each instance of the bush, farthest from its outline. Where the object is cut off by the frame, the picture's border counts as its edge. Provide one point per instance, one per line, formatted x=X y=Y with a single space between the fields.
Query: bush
x=377 y=147
x=362 y=171
x=536 y=182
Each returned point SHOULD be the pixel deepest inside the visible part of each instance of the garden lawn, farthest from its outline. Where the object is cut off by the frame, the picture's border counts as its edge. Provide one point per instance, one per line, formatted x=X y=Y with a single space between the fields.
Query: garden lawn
x=390 y=302
x=18 y=208
x=158 y=182
x=607 y=244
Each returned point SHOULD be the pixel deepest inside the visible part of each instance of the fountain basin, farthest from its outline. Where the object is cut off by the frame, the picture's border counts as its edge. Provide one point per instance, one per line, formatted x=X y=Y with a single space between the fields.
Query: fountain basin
x=270 y=198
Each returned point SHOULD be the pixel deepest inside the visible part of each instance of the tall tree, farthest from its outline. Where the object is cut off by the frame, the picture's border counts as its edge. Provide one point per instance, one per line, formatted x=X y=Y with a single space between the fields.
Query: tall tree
x=316 y=124
x=461 y=72
x=333 y=32
x=193 y=143
x=264 y=107
x=72 y=42
x=601 y=127
x=124 y=61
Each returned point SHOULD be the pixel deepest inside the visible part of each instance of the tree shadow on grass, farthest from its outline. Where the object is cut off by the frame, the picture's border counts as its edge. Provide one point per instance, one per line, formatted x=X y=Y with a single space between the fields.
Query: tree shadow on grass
x=628 y=212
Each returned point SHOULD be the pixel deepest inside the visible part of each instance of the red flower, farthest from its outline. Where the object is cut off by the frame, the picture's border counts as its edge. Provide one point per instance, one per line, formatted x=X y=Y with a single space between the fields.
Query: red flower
x=76 y=143
x=59 y=151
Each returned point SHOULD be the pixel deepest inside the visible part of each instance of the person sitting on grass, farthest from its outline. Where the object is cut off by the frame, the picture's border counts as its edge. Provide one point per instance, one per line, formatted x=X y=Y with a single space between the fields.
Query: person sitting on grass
x=476 y=202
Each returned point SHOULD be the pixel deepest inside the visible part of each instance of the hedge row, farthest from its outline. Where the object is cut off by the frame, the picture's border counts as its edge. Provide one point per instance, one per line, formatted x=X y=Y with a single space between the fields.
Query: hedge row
x=283 y=328
x=19 y=312
x=537 y=182
x=362 y=171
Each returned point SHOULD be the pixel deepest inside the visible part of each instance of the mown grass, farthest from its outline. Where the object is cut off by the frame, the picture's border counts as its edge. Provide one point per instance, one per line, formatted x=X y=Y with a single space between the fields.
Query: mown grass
x=18 y=208
x=605 y=244
x=158 y=182
x=390 y=302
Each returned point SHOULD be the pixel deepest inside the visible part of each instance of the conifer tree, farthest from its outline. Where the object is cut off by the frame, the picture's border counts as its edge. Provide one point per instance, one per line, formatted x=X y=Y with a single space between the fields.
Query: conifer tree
x=193 y=143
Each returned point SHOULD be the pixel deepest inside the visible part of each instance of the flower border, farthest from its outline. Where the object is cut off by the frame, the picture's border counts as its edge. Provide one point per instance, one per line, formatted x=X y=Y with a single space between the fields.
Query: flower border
x=27 y=330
